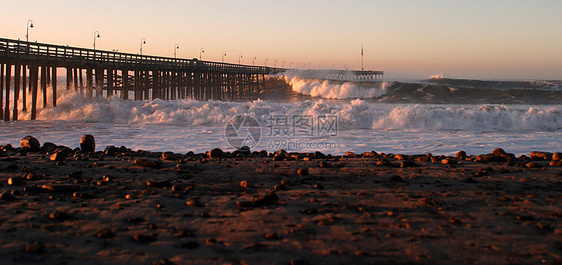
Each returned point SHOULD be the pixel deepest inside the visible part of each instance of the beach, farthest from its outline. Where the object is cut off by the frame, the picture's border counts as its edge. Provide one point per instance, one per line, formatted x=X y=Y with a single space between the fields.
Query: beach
x=121 y=206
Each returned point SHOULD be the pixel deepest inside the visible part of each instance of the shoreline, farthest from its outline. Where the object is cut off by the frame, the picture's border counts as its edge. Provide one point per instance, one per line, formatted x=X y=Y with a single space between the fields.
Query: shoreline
x=62 y=205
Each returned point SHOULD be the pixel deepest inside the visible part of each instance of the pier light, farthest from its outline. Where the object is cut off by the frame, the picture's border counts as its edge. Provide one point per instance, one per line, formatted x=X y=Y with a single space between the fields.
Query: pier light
x=201 y=51
x=283 y=64
x=275 y=63
x=254 y=61
x=239 y=57
x=29 y=25
x=176 y=47
x=265 y=62
x=223 y=55
x=96 y=35
x=143 y=41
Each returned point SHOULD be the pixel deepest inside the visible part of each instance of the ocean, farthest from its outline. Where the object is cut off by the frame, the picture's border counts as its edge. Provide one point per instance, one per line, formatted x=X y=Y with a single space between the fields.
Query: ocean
x=437 y=115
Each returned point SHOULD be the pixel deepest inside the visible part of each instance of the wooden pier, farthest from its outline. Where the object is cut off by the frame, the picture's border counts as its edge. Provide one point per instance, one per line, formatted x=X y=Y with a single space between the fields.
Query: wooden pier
x=27 y=67
x=30 y=69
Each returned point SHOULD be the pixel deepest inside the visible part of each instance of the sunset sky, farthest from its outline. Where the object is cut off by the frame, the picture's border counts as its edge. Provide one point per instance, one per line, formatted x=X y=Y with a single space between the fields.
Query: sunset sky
x=499 y=39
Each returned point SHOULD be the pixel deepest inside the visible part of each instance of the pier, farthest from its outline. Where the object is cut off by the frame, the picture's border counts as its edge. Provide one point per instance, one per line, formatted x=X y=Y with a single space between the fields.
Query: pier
x=31 y=67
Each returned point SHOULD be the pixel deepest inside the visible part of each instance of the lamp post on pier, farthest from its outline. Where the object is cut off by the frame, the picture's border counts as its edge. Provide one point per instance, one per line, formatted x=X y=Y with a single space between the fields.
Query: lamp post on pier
x=275 y=64
x=254 y=61
x=96 y=35
x=265 y=64
x=223 y=55
x=143 y=41
x=176 y=47
x=29 y=25
x=239 y=57
x=201 y=51
x=283 y=64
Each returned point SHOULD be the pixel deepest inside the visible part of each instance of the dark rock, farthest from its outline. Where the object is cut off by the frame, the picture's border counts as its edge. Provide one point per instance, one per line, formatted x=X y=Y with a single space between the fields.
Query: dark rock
x=534 y=165
x=148 y=162
x=16 y=181
x=168 y=156
x=449 y=161
x=106 y=233
x=75 y=175
x=195 y=203
x=461 y=155
x=325 y=165
x=556 y=163
x=302 y=171
x=557 y=156
x=159 y=183
x=145 y=238
x=537 y=155
x=87 y=143
x=60 y=156
x=61 y=187
x=499 y=152
x=319 y=155
x=280 y=187
x=30 y=143
x=244 y=150
x=60 y=216
x=407 y=163
x=110 y=150
x=216 y=153
x=384 y=163
x=265 y=199
x=6 y=196
x=48 y=148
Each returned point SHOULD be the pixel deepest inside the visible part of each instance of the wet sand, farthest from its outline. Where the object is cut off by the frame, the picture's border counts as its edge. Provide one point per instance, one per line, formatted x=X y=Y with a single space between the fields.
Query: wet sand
x=135 y=207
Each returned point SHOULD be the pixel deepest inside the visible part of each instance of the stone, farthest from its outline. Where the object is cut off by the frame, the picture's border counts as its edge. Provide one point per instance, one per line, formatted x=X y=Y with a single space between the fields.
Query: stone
x=537 y=155
x=159 y=183
x=216 y=153
x=265 y=199
x=110 y=150
x=168 y=156
x=87 y=143
x=557 y=156
x=245 y=184
x=302 y=171
x=7 y=196
x=59 y=156
x=449 y=162
x=195 y=203
x=534 y=165
x=148 y=162
x=16 y=181
x=30 y=143
x=324 y=164
x=106 y=233
x=407 y=163
x=400 y=157
x=461 y=155
x=556 y=163
x=145 y=238
x=499 y=152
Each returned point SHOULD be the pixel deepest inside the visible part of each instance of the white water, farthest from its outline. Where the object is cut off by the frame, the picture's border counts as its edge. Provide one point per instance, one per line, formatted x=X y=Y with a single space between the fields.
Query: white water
x=363 y=125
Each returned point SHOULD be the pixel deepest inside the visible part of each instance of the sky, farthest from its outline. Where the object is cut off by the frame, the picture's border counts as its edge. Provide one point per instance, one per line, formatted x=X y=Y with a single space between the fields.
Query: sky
x=408 y=39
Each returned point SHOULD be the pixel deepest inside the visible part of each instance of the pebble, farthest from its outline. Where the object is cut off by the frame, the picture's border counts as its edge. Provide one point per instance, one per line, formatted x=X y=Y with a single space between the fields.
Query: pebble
x=16 y=181
x=534 y=165
x=216 y=153
x=265 y=199
x=325 y=165
x=195 y=203
x=31 y=143
x=302 y=171
x=60 y=156
x=168 y=156
x=58 y=215
x=87 y=143
x=32 y=176
x=145 y=238
x=159 y=184
x=408 y=163
x=7 y=196
x=245 y=184
x=106 y=233
x=148 y=162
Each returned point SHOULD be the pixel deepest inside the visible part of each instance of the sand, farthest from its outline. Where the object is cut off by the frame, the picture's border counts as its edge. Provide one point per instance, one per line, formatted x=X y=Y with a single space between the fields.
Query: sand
x=134 y=207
